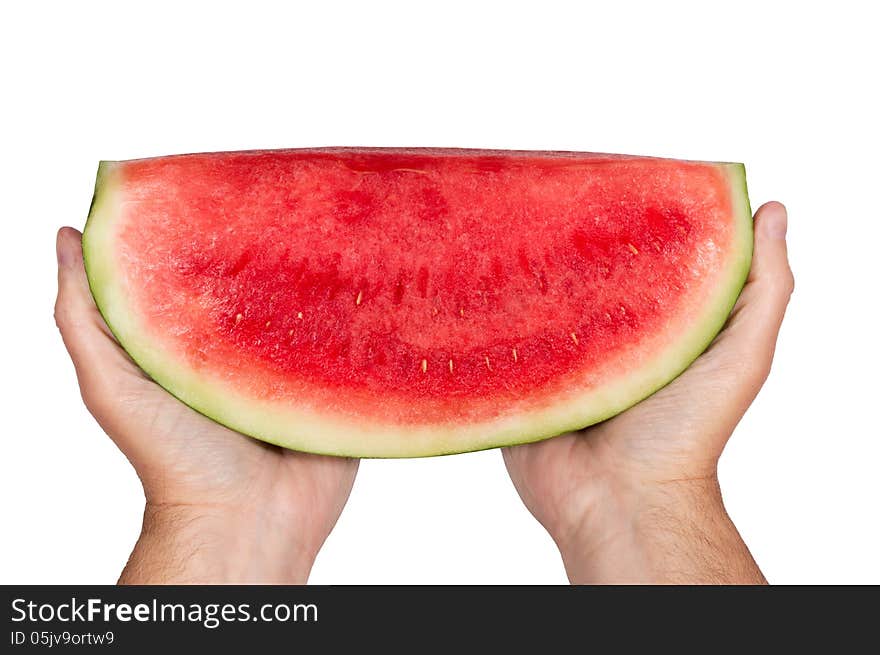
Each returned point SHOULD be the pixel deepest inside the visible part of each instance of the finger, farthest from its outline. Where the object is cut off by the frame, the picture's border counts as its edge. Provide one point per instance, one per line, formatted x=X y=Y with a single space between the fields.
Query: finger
x=770 y=266
x=754 y=325
x=101 y=365
x=74 y=302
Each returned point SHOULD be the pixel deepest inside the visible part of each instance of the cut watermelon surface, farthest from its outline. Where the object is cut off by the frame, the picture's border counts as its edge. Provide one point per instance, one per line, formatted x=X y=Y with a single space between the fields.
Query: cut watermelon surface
x=412 y=302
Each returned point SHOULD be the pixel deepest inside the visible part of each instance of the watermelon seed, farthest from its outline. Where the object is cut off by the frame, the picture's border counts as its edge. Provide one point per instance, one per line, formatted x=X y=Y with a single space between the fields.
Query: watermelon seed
x=424 y=366
x=290 y=334
x=268 y=323
x=450 y=366
x=409 y=170
x=238 y=318
x=487 y=364
x=359 y=298
x=461 y=311
x=299 y=315
x=574 y=338
x=632 y=249
x=515 y=359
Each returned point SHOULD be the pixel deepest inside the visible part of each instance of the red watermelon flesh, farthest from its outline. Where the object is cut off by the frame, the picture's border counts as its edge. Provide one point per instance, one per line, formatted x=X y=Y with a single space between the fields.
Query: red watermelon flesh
x=406 y=302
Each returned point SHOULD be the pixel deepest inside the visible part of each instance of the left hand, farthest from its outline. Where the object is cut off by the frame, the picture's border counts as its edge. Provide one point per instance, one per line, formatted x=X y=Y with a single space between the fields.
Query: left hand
x=220 y=507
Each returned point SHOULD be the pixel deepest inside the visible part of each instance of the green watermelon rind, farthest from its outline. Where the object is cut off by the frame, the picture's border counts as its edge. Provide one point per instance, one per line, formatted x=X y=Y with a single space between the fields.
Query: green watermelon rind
x=312 y=431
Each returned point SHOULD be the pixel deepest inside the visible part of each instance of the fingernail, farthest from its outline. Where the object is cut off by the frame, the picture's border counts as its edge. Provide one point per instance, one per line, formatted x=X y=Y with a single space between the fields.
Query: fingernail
x=776 y=223
x=61 y=252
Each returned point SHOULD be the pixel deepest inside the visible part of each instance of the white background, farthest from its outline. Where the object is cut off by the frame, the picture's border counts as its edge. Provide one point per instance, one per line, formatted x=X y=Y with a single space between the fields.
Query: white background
x=789 y=89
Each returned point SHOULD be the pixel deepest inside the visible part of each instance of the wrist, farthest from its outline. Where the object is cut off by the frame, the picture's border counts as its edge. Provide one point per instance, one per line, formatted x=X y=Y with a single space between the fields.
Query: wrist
x=673 y=531
x=207 y=544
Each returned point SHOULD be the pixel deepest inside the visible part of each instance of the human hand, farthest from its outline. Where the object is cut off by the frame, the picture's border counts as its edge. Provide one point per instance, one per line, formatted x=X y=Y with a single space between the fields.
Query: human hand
x=220 y=507
x=636 y=498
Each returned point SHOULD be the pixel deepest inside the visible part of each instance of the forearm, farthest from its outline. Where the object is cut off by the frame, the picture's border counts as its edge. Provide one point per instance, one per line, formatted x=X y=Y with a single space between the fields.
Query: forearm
x=669 y=533
x=188 y=545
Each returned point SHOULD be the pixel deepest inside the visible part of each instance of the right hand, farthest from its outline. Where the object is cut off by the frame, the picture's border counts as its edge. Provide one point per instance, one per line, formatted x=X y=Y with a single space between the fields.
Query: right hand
x=602 y=488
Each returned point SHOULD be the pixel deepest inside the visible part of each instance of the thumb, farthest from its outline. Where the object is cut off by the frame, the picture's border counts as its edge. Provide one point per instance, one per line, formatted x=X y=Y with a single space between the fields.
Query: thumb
x=751 y=332
x=102 y=367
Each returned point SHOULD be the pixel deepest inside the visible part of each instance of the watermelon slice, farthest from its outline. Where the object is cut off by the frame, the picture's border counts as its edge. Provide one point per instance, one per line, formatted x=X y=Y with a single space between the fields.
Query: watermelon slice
x=411 y=302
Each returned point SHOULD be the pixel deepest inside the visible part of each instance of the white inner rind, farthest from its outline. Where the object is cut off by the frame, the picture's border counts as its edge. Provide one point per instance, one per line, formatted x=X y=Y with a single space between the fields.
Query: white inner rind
x=318 y=432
